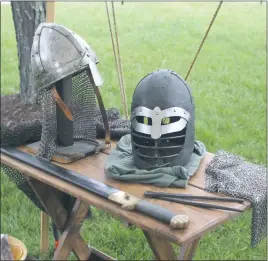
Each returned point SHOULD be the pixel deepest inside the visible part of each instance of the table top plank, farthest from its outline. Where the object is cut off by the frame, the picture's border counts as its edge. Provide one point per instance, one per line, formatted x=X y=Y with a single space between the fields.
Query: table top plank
x=201 y=220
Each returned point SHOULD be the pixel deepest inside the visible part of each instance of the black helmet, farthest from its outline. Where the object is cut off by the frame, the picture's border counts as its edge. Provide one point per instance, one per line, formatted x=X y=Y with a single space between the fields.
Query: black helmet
x=162 y=121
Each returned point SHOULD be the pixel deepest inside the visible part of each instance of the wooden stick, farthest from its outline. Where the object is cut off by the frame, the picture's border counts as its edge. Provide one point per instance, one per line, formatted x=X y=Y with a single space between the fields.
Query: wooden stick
x=197 y=204
x=161 y=248
x=188 y=196
x=50 y=11
x=187 y=251
x=44 y=249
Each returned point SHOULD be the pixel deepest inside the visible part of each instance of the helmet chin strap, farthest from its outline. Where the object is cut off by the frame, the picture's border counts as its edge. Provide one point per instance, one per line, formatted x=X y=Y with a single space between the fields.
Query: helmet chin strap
x=95 y=73
x=61 y=104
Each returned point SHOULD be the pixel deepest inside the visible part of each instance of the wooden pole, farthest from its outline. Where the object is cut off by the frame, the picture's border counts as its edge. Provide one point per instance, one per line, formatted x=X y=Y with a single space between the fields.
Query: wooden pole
x=50 y=11
x=44 y=241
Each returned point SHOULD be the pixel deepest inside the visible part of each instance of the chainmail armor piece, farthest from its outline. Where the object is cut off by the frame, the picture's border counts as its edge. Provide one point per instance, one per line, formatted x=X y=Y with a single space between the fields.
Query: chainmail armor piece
x=231 y=174
x=49 y=126
x=84 y=111
x=84 y=107
x=30 y=131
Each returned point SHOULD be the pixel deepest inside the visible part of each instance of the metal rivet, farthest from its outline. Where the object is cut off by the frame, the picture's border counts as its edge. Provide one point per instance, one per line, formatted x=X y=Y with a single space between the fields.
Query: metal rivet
x=174 y=110
x=36 y=52
x=157 y=113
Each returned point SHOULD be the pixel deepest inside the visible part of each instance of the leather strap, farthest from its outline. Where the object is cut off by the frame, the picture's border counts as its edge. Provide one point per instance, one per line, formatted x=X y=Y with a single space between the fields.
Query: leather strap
x=102 y=109
x=61 y=104
x=69 y=115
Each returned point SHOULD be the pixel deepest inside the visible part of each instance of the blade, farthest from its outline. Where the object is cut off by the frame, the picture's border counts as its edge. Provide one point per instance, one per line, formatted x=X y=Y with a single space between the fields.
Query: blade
x=91 y=185
x=164 y=215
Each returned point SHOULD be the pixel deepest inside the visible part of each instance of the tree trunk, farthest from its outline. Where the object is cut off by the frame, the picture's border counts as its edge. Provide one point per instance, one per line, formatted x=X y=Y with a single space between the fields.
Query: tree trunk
x=27 y=16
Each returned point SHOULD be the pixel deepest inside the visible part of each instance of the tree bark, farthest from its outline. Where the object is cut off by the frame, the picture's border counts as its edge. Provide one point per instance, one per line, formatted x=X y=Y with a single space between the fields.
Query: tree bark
x=27 y=16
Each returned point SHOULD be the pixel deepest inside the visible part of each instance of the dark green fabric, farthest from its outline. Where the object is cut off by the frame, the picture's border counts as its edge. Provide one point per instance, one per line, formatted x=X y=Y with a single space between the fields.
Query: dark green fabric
x=119 y=165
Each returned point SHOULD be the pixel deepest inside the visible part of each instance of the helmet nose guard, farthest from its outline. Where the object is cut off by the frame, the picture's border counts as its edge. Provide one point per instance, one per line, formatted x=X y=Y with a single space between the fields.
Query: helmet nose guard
x=58 y=52
x=162 y=121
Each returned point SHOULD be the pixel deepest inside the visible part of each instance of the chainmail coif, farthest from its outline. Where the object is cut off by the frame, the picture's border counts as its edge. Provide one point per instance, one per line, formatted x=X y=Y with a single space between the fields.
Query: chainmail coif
x=231 y=174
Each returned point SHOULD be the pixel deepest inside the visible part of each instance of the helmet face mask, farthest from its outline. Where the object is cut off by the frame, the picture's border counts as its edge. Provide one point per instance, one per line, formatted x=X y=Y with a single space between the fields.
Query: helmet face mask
x=162 y=121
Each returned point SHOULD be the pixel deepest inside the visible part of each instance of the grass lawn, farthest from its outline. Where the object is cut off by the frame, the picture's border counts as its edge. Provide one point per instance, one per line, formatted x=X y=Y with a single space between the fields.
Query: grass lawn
x=228 y=83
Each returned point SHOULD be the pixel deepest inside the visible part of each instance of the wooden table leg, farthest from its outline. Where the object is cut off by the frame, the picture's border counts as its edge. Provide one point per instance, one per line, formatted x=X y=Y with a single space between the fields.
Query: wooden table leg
x=187 y=252
x=50 y=201
x=68 y=225
x=44 y=248
x=71 y=239
x=161 y=248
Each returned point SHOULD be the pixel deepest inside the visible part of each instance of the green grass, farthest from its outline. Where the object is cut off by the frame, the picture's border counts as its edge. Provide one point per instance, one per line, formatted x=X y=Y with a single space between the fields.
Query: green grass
x=228 y=83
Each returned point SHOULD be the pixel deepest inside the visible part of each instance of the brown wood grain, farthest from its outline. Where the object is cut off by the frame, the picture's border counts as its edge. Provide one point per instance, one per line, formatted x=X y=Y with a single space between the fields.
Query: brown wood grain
x=97 y=255
x=50 y=201
x=187 y=251
x=198 y=179
x=161 y=248
x=201 y=220
x=70 y=238
x=69 y=226
x=44 y=243
x=34 y=147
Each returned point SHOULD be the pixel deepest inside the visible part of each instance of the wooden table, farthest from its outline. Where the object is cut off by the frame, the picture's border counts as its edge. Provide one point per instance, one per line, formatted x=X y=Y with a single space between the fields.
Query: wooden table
x=158 y=235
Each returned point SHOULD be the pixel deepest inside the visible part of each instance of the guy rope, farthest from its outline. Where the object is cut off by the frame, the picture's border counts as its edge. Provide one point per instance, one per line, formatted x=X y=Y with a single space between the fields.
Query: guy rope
x=117 y=56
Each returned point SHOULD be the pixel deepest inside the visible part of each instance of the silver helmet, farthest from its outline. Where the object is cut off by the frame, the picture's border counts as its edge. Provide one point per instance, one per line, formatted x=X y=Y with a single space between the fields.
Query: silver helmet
x=58 y=52
x=162 y=121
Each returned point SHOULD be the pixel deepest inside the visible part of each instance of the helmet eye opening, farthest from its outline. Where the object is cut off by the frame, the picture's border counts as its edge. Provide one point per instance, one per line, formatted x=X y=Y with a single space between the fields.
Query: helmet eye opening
x=144 y=120
x=169 y=120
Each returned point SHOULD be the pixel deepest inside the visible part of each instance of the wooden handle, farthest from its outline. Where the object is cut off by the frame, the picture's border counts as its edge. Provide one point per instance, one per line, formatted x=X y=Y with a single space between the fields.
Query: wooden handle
x=162 y=214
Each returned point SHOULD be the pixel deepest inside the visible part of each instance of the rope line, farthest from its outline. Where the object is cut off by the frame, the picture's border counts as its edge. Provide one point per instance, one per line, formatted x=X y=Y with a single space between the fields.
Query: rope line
x=204 y=38
x=120 y=63
x=112 y=39
x=117 y=60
